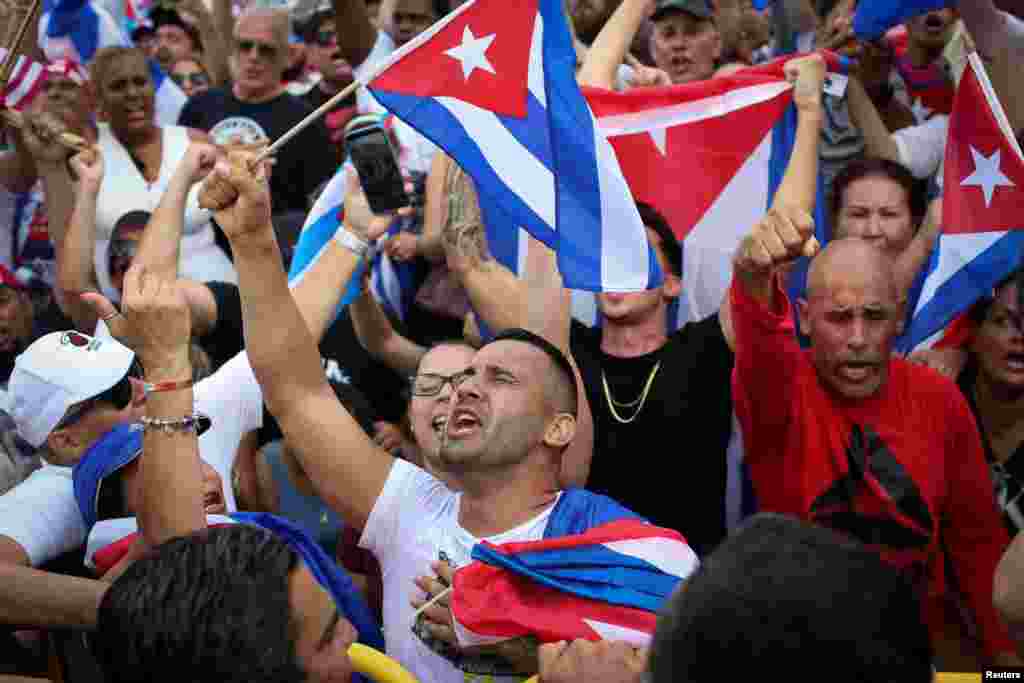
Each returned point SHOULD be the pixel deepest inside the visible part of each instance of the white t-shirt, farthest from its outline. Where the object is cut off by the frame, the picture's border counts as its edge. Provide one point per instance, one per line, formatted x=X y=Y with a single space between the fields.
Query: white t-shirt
x=415 y=522
x=41 y=514
x=416 y=152
x=922 y=147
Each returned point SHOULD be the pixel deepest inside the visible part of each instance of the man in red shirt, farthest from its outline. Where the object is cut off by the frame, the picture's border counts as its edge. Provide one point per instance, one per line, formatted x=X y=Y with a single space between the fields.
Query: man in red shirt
x=844 y=434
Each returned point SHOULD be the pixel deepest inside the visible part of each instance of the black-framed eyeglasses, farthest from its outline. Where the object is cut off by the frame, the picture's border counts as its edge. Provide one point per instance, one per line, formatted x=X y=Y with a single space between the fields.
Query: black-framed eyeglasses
x=118 y=396
x=264 y=50
x=198 y=78
x=325 y=38
x=431 y=383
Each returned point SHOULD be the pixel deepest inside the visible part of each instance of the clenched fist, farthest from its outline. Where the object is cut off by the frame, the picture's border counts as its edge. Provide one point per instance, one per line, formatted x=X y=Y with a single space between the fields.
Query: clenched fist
x=780 y=238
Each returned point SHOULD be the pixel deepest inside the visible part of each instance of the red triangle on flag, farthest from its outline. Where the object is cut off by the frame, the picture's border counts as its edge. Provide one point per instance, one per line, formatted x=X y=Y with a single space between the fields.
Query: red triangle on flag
x=481 y=56
x=984 y=175
x=683 y=173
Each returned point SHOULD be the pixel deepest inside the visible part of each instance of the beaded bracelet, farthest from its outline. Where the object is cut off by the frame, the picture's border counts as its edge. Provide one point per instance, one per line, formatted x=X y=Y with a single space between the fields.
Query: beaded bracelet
x=189 y=423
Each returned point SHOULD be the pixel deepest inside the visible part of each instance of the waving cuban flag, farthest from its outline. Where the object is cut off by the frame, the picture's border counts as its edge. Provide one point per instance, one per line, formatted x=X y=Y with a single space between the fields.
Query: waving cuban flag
x=982 y=209
x=605 y=584
x=493 y=84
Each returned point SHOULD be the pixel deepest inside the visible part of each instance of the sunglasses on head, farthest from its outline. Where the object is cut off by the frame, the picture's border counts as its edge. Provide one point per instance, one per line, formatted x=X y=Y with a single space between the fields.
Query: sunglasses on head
x=118 y=396
x=195 y=78
x=264 y=50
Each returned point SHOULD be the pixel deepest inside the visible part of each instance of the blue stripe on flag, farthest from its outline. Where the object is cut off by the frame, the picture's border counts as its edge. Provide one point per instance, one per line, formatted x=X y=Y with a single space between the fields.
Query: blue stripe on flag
x=593 y=572
x=530 y=132
x=448 y=133
x=975 y=280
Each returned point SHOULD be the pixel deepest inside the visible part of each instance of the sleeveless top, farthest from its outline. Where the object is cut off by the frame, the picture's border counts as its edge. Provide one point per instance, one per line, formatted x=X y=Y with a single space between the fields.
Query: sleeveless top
x=125 y=196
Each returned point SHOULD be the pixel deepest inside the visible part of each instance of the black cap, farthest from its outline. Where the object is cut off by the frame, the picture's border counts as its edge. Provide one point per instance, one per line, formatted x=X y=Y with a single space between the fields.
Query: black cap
x=698 y=8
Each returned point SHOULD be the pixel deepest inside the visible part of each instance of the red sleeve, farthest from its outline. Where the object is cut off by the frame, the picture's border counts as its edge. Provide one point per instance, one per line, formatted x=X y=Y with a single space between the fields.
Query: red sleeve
x=767 y=355
x=973 y=532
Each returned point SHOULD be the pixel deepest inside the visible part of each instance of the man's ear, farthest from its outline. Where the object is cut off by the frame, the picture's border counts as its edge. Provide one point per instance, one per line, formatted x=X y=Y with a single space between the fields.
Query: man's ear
x=62 y=444
x=803 y=313
x=560 y=431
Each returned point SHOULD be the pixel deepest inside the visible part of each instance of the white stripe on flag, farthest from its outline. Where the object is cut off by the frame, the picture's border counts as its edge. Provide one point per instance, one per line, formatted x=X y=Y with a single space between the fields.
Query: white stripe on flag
x=709 y=247
x=584 y=307
x=624 y=251
x=523 y=173
x=667 y=554
x=955 y=252
x=691 y=112
x=536 y=74
x=614 y=632
x=993 y=101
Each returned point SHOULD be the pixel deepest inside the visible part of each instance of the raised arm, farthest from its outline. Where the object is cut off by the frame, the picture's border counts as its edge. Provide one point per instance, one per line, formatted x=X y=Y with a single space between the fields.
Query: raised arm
x=172 y=480
x=75 y=266
x=48 y=600
x=215 y=44
x=378 y=336
x=349 y=470
x=353 y=22
x=611 y=46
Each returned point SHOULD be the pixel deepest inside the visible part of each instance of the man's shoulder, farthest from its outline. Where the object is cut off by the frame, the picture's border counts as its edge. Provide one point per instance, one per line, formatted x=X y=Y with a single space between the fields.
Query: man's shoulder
x=924 y=383
x=578 y=510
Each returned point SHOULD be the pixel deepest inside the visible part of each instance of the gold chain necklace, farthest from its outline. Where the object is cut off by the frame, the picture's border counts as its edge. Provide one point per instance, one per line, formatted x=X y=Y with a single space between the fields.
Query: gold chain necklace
x=639 y=402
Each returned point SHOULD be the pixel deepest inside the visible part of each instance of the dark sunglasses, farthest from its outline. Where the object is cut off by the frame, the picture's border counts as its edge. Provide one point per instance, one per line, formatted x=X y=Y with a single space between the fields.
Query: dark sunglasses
x=119 y=396
x=325 y=38
x=195 y=78
x=265 y=50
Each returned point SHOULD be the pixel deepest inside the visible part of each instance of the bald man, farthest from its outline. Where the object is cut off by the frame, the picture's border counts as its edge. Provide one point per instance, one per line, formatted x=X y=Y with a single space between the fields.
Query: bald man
x=847 y=435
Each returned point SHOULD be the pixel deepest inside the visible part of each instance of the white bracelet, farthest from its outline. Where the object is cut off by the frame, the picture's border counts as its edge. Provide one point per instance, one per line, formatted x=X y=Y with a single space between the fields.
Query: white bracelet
x=357 y=245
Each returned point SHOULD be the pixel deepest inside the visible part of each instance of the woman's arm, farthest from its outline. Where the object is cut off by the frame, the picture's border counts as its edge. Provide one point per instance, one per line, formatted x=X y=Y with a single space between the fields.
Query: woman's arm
x=75 y=267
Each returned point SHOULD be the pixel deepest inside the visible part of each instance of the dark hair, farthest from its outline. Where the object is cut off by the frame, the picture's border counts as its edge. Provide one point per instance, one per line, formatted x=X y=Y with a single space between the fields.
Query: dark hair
x=210 y=607
x=670 y=246
x=979 y=311
x=163 y=15
x=870 y=167
x=780 y=592
x=552 y=352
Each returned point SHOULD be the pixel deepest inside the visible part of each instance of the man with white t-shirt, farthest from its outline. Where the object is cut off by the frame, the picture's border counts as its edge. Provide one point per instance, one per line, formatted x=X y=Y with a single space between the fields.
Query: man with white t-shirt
x=498 y=440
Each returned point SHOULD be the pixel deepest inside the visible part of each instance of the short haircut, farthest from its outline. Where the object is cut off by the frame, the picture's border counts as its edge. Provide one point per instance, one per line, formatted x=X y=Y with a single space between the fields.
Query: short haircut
x=874 y=167
x=281 y=23
x=212 y=607
x=571 y=399
x=781 y=596
x=670 y=247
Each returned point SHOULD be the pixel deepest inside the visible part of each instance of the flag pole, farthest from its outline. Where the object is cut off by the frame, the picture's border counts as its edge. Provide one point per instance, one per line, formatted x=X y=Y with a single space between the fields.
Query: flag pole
x=997 y=105
x=12 y=50
x=306 y=122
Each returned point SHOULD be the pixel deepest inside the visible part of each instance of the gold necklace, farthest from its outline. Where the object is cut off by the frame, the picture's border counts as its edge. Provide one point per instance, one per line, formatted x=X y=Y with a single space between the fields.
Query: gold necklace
x=639 y=402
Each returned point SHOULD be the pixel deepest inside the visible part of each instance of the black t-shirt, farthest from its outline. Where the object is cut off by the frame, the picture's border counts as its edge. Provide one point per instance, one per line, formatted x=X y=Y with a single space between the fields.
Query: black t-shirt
x=335 y=120
x=302 y=164
x=227 y=338
x=667 y=464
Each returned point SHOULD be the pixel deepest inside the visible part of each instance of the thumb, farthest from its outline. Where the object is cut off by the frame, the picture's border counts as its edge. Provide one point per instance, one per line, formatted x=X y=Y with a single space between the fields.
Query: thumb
x=100 y=304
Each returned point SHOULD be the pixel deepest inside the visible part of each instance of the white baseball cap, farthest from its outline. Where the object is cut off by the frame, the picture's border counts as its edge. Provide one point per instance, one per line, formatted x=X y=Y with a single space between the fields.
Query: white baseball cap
x=57 y=371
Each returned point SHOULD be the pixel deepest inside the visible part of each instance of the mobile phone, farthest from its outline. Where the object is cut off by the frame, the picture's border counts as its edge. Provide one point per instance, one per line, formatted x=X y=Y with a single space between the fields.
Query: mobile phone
x=369 y=146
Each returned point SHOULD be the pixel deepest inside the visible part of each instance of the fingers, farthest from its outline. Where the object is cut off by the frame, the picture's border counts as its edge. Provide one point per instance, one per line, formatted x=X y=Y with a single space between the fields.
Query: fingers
x=100 y=304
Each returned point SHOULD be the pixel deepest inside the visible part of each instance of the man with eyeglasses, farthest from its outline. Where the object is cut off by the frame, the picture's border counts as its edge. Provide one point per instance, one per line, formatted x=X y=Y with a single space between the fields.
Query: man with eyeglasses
x=256 y=109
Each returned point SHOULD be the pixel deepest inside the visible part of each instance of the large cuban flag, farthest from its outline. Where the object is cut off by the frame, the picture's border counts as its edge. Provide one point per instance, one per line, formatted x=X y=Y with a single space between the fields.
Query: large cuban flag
x=605 y=584
x=982 y=209
x=494 y=85
x=709 y=156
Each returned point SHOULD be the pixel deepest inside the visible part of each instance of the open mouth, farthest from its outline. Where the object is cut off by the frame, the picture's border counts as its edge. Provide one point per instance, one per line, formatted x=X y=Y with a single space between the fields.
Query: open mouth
x=934 y=22
x=1015 y=361
x=856 y=371
x=461 y=423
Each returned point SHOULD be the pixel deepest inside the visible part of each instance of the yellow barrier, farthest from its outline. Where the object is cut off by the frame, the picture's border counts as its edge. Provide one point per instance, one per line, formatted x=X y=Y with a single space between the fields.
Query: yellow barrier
x=377 y=665
x=947 y=677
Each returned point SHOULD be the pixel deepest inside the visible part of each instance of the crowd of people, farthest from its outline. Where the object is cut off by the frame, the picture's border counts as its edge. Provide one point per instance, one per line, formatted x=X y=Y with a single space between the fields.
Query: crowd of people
x=207 y=472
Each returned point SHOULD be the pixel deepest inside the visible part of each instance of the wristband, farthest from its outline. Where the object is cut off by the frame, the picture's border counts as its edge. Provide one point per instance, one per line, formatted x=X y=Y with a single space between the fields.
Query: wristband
x=357 y=245
x=150 y=388
x=196 y=422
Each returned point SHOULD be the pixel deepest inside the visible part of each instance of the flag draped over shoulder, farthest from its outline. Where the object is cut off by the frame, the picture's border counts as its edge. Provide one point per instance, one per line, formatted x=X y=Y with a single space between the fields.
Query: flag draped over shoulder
x=493 y=84
x=708 y=156
x=607 y=583
x=982 y=209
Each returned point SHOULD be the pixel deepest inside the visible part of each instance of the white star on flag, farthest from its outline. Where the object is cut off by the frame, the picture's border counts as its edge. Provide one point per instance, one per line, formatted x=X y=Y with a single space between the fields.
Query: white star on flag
x=472 y=53
x=987 y=174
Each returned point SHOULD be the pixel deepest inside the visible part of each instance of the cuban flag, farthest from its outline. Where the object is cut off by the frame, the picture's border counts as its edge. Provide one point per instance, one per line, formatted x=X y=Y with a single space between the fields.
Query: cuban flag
x=494 y=85
x=982 y=209
x=708 y=156
x=605 y=584
x=26 y=81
